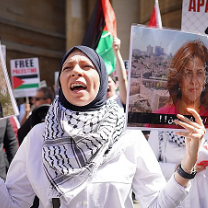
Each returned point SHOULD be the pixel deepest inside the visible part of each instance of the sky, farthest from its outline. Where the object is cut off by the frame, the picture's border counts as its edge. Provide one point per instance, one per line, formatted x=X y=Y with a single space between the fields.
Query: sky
x=168 y=39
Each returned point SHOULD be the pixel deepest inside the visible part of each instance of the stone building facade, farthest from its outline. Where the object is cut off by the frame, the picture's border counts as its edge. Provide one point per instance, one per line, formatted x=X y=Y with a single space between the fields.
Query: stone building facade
x=47 y=28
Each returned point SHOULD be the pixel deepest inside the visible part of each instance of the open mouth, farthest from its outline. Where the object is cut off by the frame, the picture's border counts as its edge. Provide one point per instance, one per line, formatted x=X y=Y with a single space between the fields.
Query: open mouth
x=78 y=86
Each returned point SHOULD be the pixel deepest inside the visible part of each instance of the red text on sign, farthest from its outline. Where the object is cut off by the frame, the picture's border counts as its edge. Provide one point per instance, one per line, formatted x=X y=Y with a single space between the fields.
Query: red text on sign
x=197 y=6
x=24 y=71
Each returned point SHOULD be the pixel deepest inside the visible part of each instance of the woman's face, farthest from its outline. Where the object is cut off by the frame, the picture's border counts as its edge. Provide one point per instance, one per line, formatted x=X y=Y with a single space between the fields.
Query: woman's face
x=79 y=79
x=111 y=88
x=193 y=80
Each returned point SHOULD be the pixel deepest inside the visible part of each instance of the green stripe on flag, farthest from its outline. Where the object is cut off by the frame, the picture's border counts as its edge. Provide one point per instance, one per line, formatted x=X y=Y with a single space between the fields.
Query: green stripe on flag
x=105 y=50
x=36 y=85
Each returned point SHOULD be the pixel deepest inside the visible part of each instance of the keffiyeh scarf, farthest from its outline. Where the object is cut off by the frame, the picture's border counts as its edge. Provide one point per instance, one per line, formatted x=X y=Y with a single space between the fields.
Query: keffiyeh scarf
x=77 y=143
x=179 y=140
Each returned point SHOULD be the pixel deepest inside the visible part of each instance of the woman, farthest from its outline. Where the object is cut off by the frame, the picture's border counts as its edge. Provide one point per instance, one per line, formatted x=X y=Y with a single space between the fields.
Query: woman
x=187 y=82
x=80 y=157
x=187 y=87
x=169 y=150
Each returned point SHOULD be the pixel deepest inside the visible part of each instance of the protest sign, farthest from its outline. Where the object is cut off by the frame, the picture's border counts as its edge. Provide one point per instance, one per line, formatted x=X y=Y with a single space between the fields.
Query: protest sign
x=25 y=76
x=8 y=106
x=195 y=16
x=160 y=82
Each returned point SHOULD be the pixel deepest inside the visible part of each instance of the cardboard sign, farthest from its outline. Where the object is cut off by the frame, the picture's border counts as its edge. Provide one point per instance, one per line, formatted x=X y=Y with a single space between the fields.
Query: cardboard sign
x=25 y=76
x=160 y=84
x=195 y=16
x=8 y=106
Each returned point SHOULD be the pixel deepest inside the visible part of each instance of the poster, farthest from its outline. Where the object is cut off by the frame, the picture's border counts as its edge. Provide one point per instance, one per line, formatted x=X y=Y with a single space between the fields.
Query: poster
x=8 y=106
x=25 y=76
x=161 y=80
x=195 y=16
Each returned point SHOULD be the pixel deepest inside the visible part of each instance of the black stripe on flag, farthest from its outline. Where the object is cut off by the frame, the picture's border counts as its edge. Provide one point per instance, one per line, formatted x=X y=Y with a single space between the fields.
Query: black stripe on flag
x=31 y=76
x=95 y=27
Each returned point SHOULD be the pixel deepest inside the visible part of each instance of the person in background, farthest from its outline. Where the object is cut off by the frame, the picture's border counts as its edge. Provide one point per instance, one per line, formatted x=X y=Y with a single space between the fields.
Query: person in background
x=122 y=77
x=187 y=86
x=15 y=124
x=169 y=150
x=22 y=109
x=81 y=154
x=44 y=95
x=146 y=134
x=8 y=144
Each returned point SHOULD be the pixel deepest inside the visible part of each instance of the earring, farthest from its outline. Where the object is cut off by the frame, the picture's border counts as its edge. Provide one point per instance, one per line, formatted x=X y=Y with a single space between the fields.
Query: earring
x=179 y=89
x=203 y=88
x=205 y=66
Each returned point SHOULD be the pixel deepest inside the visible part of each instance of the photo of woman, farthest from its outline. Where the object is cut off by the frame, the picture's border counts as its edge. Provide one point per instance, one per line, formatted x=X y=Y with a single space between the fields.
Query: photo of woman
x=187 y=81
x=166 y=77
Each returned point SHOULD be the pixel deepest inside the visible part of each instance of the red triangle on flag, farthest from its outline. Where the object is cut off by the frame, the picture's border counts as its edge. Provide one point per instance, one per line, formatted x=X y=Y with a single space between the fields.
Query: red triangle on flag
x=155 y=19
x=17 y=82
x=110 y=17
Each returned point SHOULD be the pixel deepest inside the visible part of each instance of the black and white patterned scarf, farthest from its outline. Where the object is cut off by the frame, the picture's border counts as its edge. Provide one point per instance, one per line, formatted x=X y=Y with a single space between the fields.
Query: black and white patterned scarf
x=77 y=143
x=179 y=140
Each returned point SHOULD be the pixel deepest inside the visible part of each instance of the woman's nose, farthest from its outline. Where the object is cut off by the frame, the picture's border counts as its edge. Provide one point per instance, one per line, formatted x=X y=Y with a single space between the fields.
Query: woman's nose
x=77 y=71
x=193 y=78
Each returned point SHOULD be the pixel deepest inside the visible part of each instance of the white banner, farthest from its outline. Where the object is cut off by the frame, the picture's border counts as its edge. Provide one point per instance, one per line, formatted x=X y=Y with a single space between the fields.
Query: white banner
x=195 y=16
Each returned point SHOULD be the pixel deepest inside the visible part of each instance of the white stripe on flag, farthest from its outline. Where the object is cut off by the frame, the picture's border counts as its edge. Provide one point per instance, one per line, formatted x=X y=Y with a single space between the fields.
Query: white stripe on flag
x=30 y=81
x=158 y=16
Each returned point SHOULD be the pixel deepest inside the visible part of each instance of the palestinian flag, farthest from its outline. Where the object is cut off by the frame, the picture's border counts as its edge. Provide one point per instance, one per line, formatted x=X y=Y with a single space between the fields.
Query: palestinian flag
x=155 y=19
x=100 y=32
x=25 y=81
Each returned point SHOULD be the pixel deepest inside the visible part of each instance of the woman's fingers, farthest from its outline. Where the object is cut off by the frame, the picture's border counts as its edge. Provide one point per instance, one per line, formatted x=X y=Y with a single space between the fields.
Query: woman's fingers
x=196 y=116
x=187 y=123
x=194 y=129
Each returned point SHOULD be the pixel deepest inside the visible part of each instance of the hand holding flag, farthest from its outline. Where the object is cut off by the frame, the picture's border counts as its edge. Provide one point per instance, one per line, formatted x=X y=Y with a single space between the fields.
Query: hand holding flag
x=116 y=43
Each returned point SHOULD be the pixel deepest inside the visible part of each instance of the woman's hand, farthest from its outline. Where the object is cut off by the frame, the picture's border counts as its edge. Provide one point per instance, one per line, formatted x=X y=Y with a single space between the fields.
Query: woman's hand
x=194 y=134
x=116 y=44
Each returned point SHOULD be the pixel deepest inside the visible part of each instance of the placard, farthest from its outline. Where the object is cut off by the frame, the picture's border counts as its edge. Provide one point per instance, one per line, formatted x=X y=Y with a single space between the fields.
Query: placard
x=167 y=71
x=8 y=106
x=25 y=76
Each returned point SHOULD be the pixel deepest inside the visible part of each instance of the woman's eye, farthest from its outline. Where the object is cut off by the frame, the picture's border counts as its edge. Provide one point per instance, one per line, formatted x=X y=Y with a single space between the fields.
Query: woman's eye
x=200 y=73
x=187 y=73
x=88 y=66
x=67 y=68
